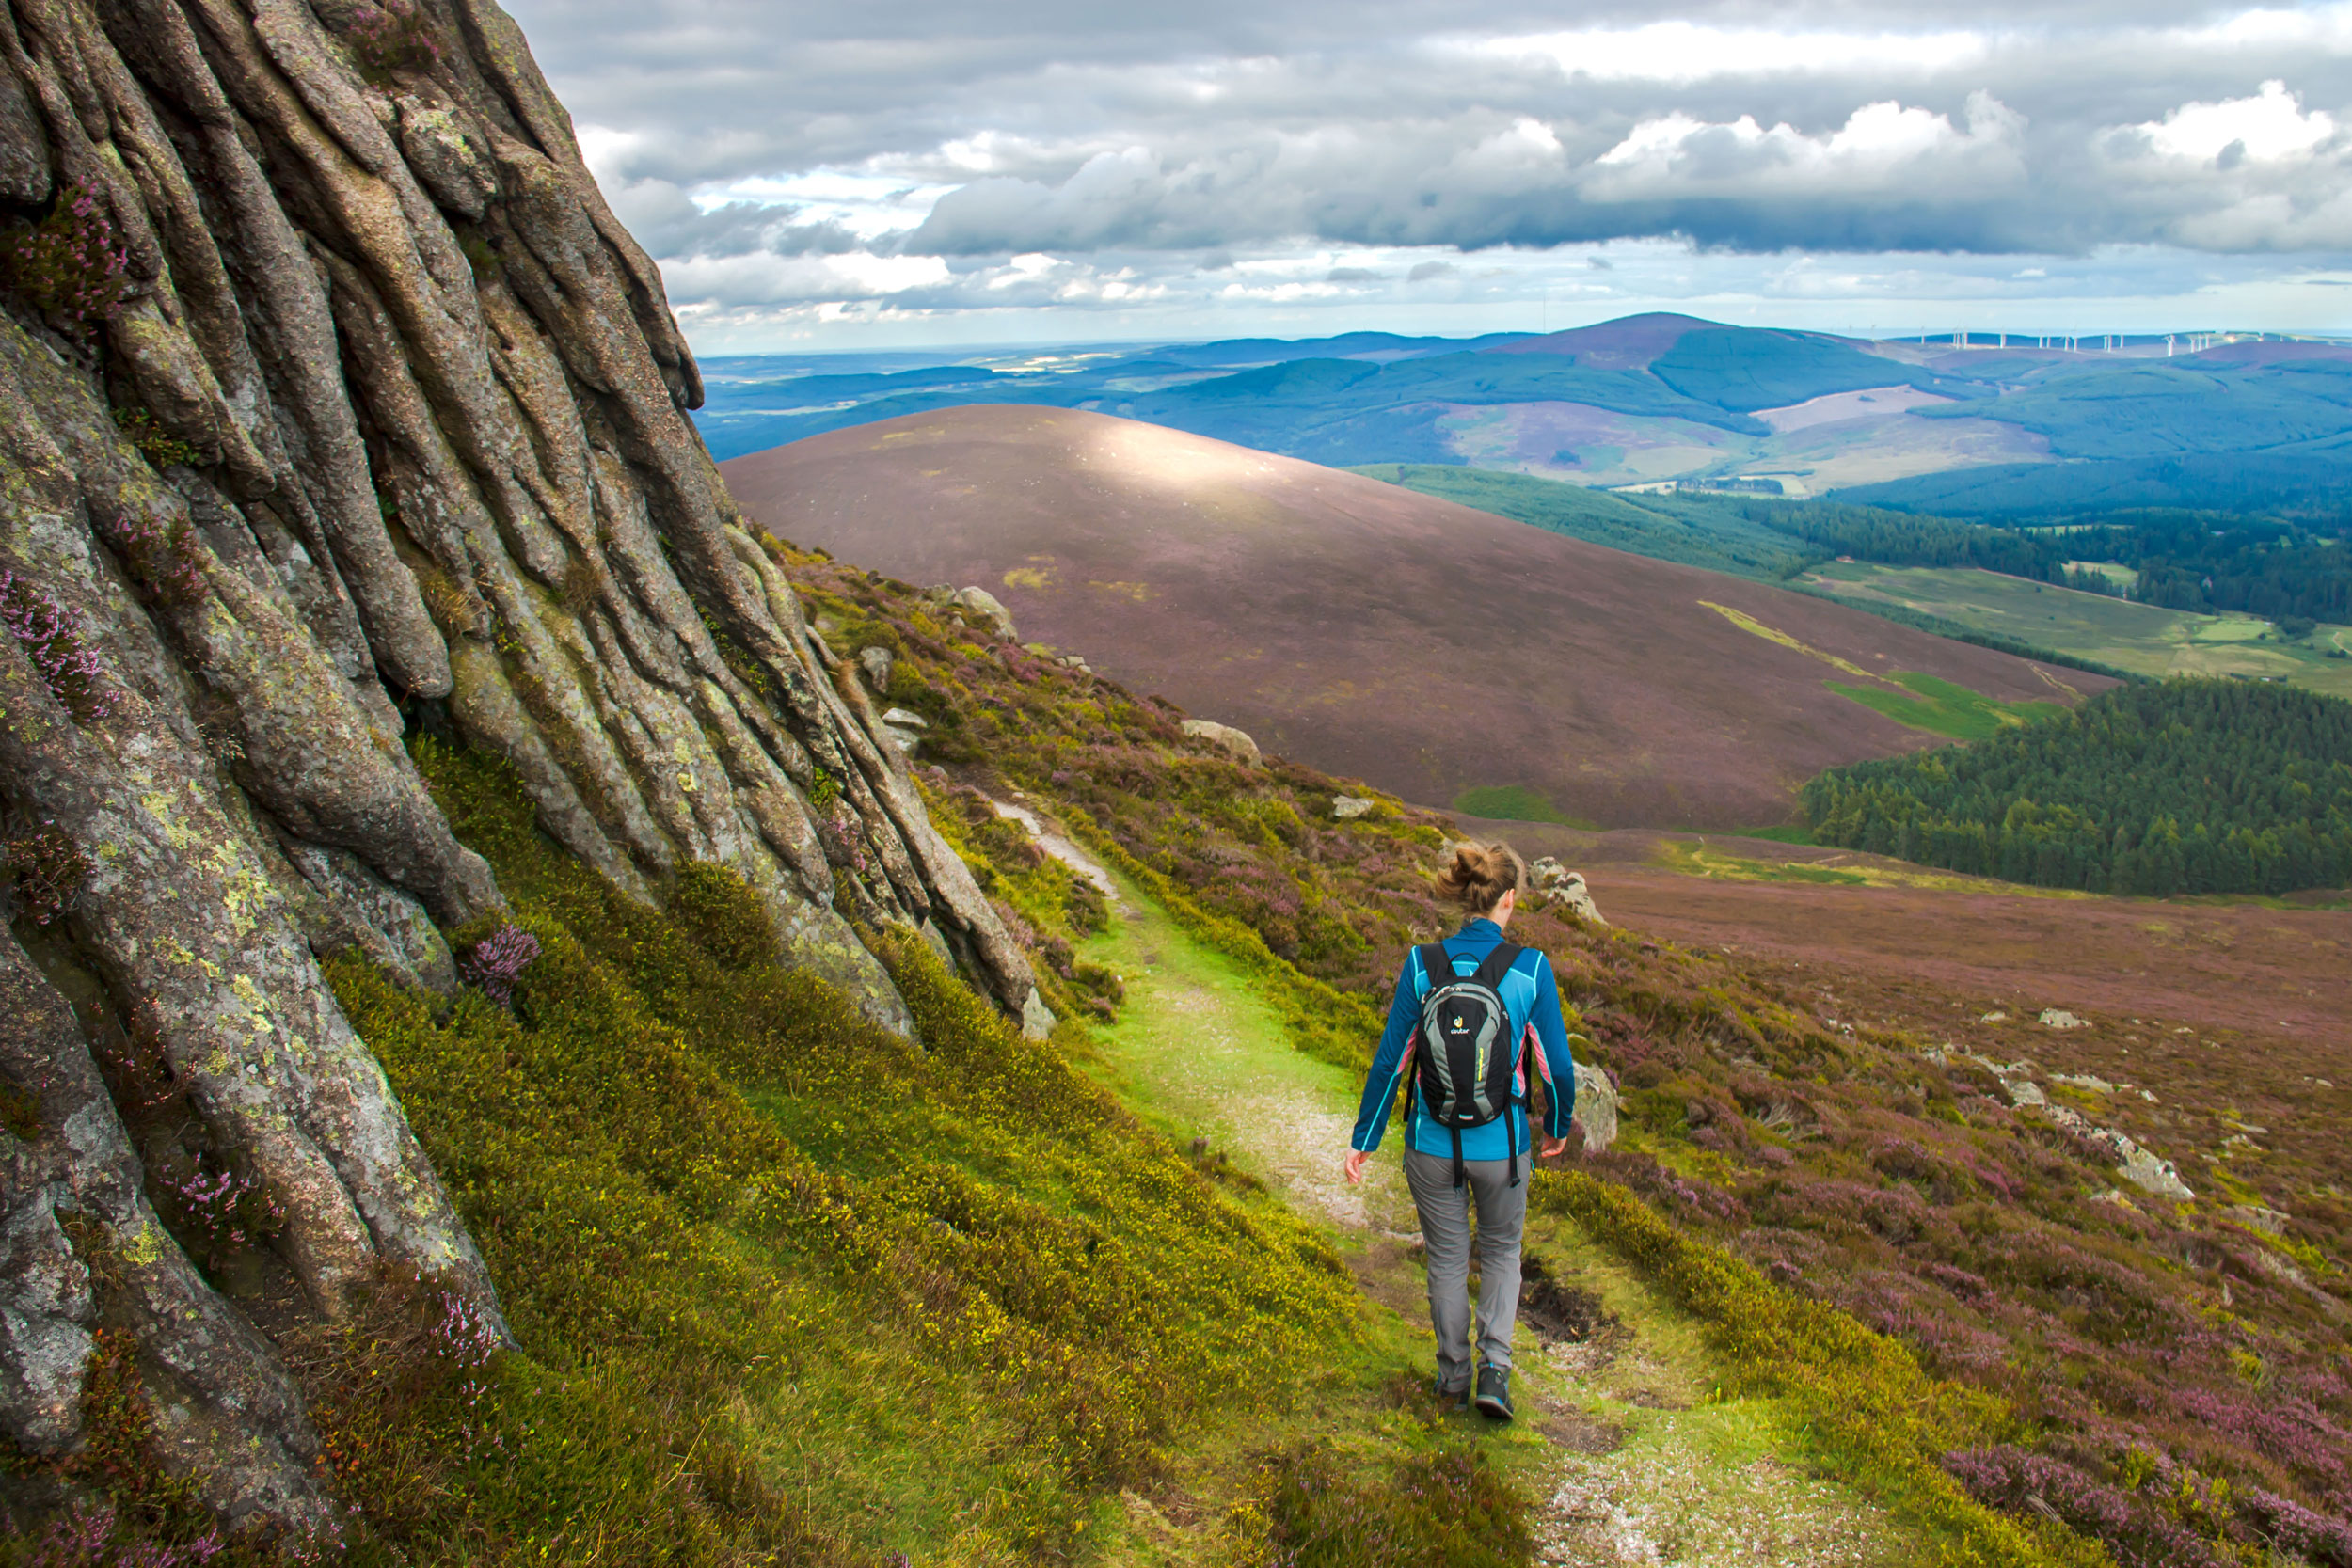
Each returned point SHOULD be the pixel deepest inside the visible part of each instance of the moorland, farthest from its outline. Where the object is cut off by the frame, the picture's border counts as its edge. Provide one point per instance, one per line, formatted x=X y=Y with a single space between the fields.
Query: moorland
x=1352 y=623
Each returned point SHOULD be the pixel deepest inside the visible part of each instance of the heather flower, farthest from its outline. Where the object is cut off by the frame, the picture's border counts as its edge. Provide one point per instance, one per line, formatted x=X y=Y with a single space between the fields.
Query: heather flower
x=844 y=838
x=51 y=635
x=223 y=1206
x=499 y=959
x=392 y=35
x=2135 y=1528
x=85 y=1538
x=72 y=263
x=165 y=556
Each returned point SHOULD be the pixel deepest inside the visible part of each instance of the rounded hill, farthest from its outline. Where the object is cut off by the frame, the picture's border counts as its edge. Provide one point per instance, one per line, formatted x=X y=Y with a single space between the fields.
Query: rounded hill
x=1445 y=654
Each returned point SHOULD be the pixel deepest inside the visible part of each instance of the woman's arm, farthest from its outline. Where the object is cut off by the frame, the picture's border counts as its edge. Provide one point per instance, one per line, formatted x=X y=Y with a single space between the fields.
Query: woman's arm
x=1559 y=1061
x=1387 y=1067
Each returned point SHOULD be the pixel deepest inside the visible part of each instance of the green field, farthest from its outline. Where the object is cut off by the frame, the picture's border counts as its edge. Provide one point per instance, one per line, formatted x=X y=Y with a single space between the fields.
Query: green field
x=2142 y=638
x=1513 y=804
x=1942 y=708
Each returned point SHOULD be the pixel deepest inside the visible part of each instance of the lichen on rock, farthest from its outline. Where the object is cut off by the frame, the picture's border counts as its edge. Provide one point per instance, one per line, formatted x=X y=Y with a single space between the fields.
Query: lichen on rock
x=421 y=409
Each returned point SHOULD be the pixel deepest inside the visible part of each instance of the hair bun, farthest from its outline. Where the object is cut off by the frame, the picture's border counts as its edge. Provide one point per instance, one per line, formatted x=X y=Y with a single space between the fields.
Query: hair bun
x=1481 y=874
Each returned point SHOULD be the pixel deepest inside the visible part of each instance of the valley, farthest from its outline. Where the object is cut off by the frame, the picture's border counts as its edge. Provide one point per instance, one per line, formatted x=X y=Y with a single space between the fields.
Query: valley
x=2146 y=639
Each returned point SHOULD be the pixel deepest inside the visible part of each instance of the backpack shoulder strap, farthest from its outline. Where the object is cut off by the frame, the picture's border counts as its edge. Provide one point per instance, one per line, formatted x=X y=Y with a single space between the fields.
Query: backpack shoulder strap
x=1498 y=963
x=1437 y=968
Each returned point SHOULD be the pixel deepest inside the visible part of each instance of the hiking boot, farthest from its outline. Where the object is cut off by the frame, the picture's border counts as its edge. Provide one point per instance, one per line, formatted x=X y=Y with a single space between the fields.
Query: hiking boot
x=1494 y=1392
x=1450 y=1398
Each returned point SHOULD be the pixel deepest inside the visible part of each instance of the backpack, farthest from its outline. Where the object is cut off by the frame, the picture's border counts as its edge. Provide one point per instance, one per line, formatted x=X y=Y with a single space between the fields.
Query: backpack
x=1465 y=1060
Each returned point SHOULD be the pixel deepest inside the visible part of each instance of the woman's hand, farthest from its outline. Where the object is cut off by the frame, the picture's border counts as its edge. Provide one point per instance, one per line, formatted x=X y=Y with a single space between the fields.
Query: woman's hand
x=1554 y=1147
x=1353 y=1168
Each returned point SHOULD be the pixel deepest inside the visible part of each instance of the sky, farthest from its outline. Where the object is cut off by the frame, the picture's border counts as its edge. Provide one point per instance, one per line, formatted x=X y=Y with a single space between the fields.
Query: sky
x=920 y=174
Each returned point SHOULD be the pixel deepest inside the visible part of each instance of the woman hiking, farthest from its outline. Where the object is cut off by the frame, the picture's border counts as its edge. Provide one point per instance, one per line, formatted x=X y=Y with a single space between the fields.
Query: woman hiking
x=1465 y=1070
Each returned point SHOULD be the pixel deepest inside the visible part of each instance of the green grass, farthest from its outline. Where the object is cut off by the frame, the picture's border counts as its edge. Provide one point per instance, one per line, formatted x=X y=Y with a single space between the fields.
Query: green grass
x=1783 y=834
x=1697 y=859
x=2144 y=640
x=1513 y=804
x=782 y=1284
x=1942 y=708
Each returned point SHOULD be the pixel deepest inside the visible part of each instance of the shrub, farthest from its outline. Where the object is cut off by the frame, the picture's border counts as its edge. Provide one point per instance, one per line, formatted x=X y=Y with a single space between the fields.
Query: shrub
x=1320 y=1510
x=1873 y=1411
x=71 y=265
x=151 y=441
x=499 y=959
x=391 y=38
x=49 y=868
x=51 y=635
x=164 y=555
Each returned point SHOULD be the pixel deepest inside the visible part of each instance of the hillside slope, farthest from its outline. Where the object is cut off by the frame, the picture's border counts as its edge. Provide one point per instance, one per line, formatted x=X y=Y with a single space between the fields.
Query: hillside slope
x=2113 y=1233
x=1426 y=646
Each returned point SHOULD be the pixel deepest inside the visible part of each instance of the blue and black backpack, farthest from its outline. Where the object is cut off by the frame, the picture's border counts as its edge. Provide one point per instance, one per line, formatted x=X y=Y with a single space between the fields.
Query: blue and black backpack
x=1465 y=1061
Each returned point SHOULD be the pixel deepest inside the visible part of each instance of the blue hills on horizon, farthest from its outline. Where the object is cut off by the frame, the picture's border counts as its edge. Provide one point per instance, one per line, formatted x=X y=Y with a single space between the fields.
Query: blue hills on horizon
x=1985 y=430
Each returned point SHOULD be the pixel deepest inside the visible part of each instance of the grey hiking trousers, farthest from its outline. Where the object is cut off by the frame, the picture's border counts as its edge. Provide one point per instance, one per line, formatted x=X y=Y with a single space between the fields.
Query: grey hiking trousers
x=1445 y=1233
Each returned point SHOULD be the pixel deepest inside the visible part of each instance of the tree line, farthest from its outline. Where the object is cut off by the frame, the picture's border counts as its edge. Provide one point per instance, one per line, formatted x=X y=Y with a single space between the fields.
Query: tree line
x=2200 y=561
x=2179 y=787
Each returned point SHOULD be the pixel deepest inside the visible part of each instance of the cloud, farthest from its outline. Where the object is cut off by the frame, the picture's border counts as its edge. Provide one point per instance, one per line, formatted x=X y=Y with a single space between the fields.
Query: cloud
x=766 y=150
x=2269 y=126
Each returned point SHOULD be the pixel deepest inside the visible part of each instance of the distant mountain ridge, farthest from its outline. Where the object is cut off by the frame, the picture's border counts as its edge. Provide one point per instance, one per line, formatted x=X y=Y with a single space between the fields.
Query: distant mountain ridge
x=1986 y=429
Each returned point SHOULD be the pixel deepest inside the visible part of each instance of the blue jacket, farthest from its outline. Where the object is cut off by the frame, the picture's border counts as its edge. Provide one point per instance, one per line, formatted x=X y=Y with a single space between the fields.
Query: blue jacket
x=1532 y=996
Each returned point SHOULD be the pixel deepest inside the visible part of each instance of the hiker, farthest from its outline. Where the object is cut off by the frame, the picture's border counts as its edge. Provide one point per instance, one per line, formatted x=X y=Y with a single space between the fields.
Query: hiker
x=1466 y=1134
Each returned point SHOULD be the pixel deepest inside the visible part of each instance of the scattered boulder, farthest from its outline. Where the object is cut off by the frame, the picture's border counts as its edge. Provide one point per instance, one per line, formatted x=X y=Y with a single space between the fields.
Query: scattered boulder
x=877 y=662
x=2267 y=1222
x=1036 y=1019
x=1595 y=1107
x=903 y=728
x=985 y=604
x=2059 y=1018
x=1225 y=735
x=1556 y=884
x=1346 y=808
x=2142 y=1167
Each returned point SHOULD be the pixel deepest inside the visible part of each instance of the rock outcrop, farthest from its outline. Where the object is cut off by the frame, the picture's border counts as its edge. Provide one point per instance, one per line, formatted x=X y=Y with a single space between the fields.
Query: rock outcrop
x=1556 y=884
x=336 y=406
x=1225 y=737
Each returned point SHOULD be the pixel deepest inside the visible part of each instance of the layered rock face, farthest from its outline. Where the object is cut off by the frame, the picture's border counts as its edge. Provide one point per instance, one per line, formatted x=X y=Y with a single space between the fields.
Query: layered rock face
x=335 y=405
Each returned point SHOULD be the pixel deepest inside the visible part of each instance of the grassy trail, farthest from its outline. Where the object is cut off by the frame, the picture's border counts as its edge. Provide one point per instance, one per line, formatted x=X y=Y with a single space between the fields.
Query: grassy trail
x=1629 y=1458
